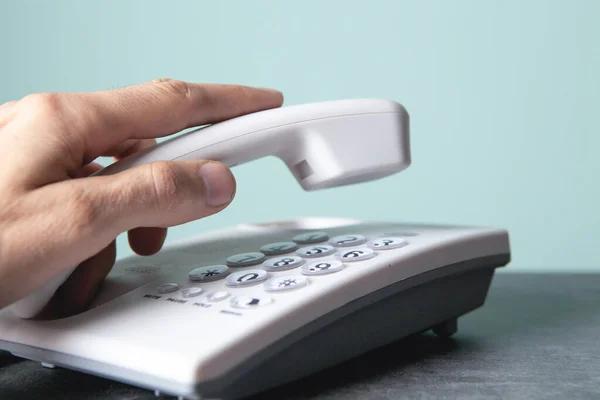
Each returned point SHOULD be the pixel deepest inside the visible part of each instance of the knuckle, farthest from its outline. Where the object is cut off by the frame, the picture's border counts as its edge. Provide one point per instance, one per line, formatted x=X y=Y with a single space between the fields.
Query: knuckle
x=173 y=87
x=44 y=103
x=169 y=188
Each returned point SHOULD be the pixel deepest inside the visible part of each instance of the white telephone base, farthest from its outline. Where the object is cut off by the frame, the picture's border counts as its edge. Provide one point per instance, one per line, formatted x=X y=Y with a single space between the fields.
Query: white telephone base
x=238 y=311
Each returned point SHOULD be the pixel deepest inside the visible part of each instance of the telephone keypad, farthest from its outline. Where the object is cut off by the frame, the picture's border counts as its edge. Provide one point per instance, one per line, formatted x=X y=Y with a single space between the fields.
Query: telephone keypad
x=312 y=260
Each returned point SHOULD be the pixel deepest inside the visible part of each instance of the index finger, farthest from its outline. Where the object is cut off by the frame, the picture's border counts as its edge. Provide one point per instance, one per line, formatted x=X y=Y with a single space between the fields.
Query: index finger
x=165 y=106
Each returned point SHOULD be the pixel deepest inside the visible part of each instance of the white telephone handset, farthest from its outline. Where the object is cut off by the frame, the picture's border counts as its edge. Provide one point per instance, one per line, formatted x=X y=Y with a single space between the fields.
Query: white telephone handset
x=324 y=145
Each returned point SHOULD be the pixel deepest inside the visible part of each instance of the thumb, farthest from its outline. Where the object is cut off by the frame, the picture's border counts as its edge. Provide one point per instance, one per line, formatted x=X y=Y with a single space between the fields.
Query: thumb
x=162 y=194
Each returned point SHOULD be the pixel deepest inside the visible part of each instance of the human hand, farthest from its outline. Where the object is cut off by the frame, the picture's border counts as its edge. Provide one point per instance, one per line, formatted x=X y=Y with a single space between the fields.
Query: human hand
x=54 y=215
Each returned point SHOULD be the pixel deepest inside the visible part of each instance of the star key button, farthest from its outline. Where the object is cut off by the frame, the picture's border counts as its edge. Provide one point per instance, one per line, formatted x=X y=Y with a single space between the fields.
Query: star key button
x=285 y=283
x=209 y=273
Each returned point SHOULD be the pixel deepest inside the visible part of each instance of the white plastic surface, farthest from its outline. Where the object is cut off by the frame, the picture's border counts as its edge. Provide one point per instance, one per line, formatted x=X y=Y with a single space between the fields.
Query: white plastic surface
x=324 y=145
x=187 y=343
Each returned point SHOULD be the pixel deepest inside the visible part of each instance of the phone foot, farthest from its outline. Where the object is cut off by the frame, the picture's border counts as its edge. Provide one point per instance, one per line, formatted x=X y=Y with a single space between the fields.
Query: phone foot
x=446 y=328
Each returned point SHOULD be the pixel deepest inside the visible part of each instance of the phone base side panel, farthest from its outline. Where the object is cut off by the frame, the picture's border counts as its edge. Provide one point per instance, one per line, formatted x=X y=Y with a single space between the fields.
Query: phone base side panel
x=429 y=301
x=407 y=307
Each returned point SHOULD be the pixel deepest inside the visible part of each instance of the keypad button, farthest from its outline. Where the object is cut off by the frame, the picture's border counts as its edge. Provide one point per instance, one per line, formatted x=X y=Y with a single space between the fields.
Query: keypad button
x=217 y=296
x=274 y=249
x=167 y=288
x=247 y=278
x=285 y=283
x=209 y=273
x=245 y=259
x=192 y=292
x=356 y=254
x=315 y=251
x=347 y=240
x=250 y=301
x=311 y=237
x=387 y=243
x=322 y=267
x=283 y=263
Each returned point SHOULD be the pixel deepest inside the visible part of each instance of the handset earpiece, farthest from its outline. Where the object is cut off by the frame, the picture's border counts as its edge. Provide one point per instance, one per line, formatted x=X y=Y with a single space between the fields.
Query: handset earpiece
x=324 y=145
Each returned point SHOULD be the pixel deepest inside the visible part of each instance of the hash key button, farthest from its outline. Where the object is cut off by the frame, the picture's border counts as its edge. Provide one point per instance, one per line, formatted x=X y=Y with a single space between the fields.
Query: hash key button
x=322 y=267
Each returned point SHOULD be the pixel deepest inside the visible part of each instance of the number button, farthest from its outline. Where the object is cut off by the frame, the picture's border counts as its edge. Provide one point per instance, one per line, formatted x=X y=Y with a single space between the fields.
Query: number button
x=273 y=249
x=387 y=243
x=285 y=283
x=311 y=237
x=347 y=240
x=356 y=254
x=246 y=278
x=322 y=267
x=250 y=301
x=283 y=263
x=209 y=274
x=245 y=259
x=315 y=251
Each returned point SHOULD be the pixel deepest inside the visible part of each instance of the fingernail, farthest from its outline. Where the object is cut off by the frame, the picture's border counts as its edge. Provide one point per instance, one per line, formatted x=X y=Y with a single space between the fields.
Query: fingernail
x=218 y=182
x=270 y=90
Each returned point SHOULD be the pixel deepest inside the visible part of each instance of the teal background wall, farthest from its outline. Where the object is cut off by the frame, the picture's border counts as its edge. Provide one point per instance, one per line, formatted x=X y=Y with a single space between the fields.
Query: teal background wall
x=503 y=97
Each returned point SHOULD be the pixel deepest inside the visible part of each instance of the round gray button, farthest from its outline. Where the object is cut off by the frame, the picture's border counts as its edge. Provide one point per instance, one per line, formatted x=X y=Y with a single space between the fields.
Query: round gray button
x=311 y=237
x=209 y=273
x=357 y=254
x=250 y=301
x=247 y=278
x=347 y=240
x=283 y=263
x=273 y=249
x=192 y=292
x=285 y=283
x=322 y=267
x=315 y=251
x=217 y=296
x=167 y=288
x=245 y=259
x=387 y=243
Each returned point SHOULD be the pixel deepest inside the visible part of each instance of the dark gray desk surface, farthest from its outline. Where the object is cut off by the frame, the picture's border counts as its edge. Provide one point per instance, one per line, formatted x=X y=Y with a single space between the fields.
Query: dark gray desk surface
x=537 y=337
